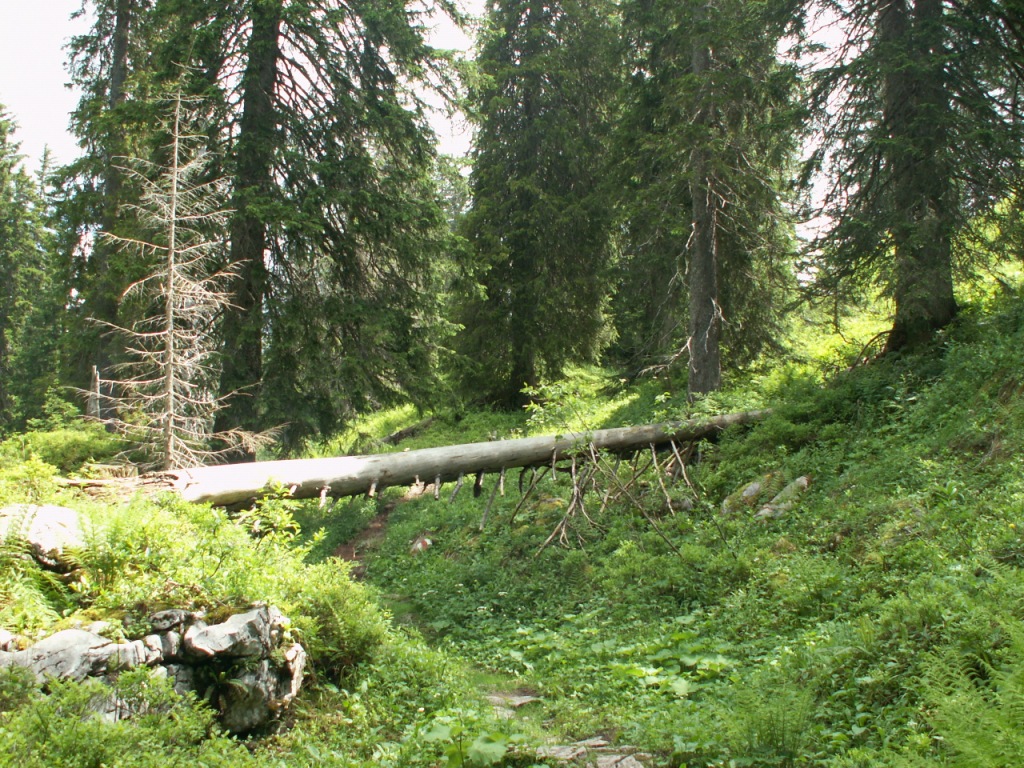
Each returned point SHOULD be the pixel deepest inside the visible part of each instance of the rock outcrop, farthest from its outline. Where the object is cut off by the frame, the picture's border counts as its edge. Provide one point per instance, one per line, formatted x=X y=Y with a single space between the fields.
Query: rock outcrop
x=250 y=649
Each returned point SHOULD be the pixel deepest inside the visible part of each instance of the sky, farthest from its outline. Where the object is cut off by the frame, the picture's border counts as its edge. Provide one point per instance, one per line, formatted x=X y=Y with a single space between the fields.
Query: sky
x=33 y=80
x=32 y=77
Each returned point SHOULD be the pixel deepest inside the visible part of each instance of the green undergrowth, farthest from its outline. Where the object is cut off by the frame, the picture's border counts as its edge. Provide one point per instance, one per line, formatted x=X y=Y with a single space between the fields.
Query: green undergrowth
x=847 y=631
x=373 y=691
x=873 y=621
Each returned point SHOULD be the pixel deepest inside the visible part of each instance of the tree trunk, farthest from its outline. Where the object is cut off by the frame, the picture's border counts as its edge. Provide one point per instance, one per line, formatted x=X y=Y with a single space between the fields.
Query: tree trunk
x=916 y=111
x=705 y=330
x=350 y=475
x=104 y=297
x=243 y=325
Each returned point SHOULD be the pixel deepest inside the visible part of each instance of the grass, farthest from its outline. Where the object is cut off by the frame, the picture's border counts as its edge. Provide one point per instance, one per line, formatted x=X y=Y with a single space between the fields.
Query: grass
x=717 y=640
x=873 y=623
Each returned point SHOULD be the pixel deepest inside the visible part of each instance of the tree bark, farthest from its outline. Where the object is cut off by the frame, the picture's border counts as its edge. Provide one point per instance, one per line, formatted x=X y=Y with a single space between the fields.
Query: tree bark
x=705 y=331
x=243 y=324
x=916 y=112
x=350 y=475
x=104 y=298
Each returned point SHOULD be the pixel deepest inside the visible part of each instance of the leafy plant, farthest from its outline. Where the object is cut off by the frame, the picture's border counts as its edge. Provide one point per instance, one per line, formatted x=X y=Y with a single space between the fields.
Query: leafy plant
x=455 y=732
x=976 y=704
x=67 y=727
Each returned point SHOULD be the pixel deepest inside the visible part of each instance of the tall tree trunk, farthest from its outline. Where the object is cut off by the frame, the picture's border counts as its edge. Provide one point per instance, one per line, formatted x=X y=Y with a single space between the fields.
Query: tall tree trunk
x=916 y=109
x=705 y=330
x=104 y=297
x=254 y=154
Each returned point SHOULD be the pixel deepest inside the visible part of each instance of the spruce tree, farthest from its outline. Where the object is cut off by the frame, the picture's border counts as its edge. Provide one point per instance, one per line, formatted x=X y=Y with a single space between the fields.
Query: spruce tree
x=706 y=138
x=921 y=129
x=110 y=67
x=30 y=296
x=540 y=221
x=336 y=227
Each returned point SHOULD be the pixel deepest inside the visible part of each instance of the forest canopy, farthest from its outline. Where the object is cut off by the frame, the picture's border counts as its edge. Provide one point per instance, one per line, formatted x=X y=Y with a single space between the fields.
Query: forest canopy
x=638 y=193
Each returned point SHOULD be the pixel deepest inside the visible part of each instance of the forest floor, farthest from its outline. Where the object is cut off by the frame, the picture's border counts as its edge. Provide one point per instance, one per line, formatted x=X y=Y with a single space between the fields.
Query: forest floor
x=685 y=619
x=508 y=696
x=355 y=550
x=874 y=620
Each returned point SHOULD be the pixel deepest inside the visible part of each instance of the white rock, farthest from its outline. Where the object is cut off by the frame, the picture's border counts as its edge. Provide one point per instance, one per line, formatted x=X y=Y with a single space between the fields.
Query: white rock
x=68 y=655
x=49 y=530
x=784 y=500
x=618 y=761
x=563 y=753
x=295 y=660
x=173 y=618
x=245 y=634
x=7 y=640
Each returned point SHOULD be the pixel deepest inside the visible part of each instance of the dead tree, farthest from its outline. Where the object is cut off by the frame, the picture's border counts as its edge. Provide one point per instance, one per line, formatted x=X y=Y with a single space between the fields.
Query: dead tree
x=350 y=475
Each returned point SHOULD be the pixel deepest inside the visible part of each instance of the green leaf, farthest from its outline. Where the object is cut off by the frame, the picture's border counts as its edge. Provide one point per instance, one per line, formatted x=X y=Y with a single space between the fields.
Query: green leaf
x=488 y=749
x=438 y=732
x=681 y=687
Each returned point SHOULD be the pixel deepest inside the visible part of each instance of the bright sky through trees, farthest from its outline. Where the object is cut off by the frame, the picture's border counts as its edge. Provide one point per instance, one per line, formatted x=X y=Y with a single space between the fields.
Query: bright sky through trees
x=32 y=76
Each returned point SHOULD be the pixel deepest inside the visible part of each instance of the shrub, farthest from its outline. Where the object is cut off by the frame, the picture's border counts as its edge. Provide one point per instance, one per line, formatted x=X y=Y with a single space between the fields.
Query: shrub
x=66 y=728
x=67 y=448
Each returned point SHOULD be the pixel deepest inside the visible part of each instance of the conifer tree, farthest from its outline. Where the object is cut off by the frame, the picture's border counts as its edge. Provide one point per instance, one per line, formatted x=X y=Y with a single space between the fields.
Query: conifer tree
x=29 y=290
x=704 y=144
x=336 y=226
x=921 y=129
x=110 y=67
x=540 y=221
x=166 y=397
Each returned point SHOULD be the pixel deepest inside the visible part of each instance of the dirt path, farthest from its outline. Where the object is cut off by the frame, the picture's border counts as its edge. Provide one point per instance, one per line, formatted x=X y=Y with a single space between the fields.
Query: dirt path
x=368 y=538
x=591 y=753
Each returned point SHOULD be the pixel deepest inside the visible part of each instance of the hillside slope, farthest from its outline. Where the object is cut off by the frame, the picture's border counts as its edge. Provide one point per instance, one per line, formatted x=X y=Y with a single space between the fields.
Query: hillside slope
x=873 y=622
x=873 y=619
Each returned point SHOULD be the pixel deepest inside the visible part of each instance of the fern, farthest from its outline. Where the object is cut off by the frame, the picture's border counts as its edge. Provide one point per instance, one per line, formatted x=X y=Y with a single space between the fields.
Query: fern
x=29 y=594
x=978 y=705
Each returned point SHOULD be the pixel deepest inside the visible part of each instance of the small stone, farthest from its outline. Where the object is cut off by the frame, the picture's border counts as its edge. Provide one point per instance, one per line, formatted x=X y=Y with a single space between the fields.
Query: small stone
x=618 y=761
x=170 y=644
x=245 y=634
x=116 y=657
x=563 y=753
x=751 y=491
x=184 y=678
x=161 y=621
x=100 y=627
x=519 y=701
x=784 y=500
x=295 y=662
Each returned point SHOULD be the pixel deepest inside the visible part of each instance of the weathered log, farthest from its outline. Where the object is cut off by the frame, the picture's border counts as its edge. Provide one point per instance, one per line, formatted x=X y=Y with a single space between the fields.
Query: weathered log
x=349 y=475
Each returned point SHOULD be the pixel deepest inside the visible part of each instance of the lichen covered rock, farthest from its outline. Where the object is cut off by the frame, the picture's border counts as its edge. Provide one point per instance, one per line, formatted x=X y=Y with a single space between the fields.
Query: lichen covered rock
x=247 y=649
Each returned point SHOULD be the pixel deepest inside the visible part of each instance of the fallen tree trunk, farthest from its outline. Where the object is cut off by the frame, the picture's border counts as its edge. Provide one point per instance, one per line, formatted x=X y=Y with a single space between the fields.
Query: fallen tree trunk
x=350 y=475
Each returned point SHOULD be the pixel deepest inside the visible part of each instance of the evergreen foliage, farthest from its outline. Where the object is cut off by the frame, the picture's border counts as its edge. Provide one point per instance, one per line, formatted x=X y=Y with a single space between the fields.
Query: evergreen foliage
x=919 y=124
x=336 y=228
x=540 y=221
x=628 y=193
x=707 y=133
x=114 y=119
x=30 y=299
